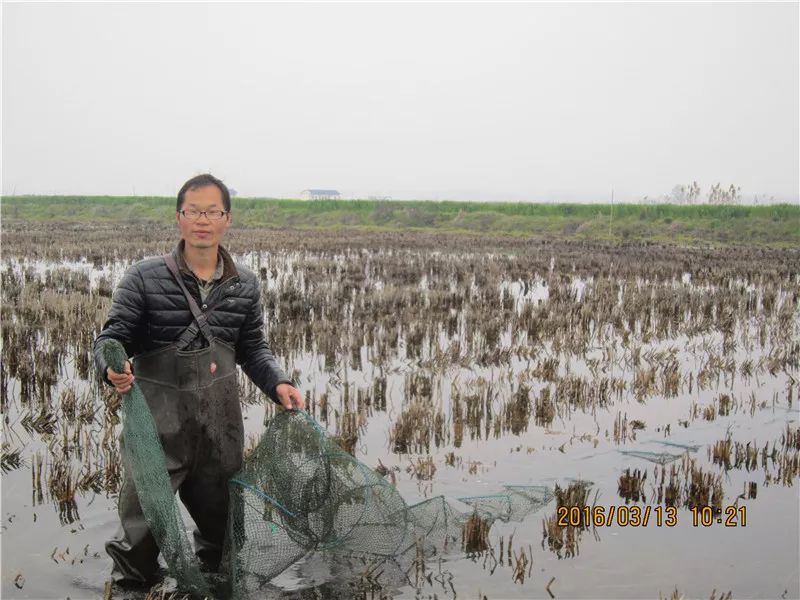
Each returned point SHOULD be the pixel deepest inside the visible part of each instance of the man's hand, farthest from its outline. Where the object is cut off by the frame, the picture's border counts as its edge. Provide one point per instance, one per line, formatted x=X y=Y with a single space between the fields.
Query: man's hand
x=290 y=397
x=121 y=381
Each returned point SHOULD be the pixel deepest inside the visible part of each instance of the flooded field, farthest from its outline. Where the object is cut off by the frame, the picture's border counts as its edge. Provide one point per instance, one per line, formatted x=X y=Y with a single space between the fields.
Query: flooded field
x=653 y=388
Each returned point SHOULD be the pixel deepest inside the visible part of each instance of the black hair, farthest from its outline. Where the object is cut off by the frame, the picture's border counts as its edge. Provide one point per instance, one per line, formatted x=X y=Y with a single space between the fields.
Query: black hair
x=199 y=181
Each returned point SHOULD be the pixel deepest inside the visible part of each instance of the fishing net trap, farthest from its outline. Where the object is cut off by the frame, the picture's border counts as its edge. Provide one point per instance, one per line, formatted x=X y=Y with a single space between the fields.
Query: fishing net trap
x=298 y=493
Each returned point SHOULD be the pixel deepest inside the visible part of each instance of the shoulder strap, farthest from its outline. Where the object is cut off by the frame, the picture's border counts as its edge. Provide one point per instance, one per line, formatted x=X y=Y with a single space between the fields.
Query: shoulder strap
x=200 y=322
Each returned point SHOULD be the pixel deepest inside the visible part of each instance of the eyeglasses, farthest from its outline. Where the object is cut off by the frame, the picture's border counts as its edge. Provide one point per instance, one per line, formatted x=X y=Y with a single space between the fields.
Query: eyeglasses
x=213 y=215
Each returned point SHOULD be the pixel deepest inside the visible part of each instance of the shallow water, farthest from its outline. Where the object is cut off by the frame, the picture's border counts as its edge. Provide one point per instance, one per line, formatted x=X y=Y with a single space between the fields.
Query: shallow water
x=759 y=560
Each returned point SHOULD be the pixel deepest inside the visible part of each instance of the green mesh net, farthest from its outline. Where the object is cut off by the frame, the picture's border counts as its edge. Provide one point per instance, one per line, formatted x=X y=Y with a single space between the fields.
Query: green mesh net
x=299 y=494
x=661 y=458
x=144 y=458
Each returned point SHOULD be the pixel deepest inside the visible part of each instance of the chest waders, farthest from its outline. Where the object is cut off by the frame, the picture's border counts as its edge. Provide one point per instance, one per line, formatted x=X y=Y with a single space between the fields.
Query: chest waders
x=193 y=398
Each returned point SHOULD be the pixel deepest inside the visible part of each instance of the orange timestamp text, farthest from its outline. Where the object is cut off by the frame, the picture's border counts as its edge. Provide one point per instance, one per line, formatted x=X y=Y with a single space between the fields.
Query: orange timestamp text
x=642 y=516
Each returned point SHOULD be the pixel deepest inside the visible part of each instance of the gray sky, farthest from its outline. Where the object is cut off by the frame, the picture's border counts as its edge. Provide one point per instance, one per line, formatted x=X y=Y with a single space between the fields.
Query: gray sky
x=469 y=101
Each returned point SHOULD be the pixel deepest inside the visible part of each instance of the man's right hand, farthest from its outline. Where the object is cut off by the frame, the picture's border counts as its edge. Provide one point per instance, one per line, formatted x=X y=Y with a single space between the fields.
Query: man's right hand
x=122 y=382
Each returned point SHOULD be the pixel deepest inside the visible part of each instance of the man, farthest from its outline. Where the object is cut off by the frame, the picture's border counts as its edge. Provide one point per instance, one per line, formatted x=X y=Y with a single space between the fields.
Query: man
x=187 y=319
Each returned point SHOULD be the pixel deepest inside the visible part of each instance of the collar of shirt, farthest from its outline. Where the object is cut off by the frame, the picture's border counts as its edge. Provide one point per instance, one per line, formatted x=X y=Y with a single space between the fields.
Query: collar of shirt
x=215 y=277
x=225 y=266
x=184 y=265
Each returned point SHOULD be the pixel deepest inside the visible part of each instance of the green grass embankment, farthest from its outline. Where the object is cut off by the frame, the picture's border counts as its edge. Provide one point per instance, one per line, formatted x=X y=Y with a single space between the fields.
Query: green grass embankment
x=774 y=225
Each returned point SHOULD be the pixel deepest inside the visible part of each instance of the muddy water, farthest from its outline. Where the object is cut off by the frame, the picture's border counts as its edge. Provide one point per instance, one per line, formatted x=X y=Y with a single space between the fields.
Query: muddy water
x=45 y=557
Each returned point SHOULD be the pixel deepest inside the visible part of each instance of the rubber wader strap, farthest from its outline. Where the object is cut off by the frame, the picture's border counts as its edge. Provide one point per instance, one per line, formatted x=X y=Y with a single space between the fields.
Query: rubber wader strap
x=200 y=322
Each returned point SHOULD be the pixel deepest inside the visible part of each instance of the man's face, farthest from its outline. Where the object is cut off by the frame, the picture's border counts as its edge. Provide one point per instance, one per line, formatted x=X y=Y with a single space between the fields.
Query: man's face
x=203 y=232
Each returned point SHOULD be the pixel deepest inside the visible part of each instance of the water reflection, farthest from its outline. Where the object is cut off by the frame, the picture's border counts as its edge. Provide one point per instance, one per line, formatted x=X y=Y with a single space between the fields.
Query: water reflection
x=456 y=370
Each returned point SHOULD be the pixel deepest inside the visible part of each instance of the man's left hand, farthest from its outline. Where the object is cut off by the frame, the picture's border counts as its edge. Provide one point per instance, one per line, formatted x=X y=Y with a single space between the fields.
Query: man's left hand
x=290 y=397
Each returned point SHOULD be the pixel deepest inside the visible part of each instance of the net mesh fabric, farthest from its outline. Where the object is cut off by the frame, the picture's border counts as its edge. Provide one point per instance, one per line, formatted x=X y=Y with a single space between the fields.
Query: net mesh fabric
x=310 y=495
x=299 y=494
x=145 y=461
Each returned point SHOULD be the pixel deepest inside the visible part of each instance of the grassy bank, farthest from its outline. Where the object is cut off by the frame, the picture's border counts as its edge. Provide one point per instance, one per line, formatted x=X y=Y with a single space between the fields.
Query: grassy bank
x=774 y=225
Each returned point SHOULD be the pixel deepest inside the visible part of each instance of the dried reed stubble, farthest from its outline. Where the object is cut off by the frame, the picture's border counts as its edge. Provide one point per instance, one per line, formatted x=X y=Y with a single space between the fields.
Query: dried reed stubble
x=326 y=297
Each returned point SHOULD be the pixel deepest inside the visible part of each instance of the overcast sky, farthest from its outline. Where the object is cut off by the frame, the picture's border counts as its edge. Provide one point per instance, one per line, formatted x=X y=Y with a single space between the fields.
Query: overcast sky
x=469 y=101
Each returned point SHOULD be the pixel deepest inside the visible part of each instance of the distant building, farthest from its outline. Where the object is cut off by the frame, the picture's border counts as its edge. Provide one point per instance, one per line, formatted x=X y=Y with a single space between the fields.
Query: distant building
x=320 y=195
